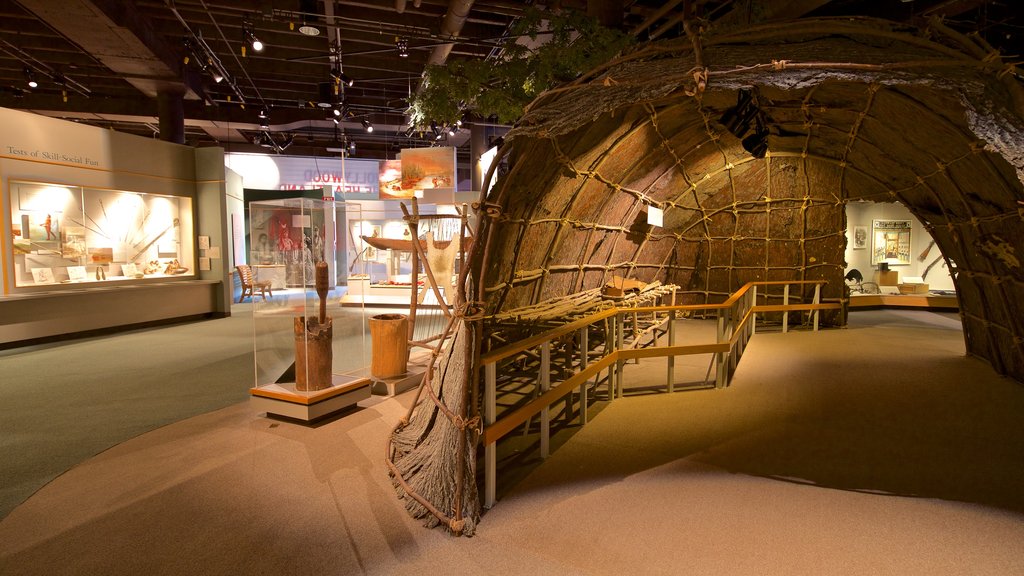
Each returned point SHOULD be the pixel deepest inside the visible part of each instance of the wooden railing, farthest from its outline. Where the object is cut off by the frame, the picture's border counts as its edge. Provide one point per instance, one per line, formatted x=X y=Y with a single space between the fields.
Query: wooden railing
x=736 y=320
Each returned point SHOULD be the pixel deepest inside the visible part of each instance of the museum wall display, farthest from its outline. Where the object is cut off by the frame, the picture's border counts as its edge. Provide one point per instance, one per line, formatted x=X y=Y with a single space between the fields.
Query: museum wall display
x=100 y=230
x=70 y=235
x=887 y=232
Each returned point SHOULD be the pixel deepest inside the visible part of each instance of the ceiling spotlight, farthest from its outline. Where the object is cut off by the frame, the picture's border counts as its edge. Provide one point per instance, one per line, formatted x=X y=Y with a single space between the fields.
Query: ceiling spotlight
x=402 y=44
x=249 y=34
x=31 y=77
x=337 y=111
x=336 y=121
x=264 y=120
x=345 y=79
x=367 y=125
x=218 y=77
x=452 y=130
x=352 y=146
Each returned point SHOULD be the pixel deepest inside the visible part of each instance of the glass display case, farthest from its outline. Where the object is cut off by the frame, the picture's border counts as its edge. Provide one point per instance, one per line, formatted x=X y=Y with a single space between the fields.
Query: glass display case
x=310 y=351
x=74 y=235
x=384 y=245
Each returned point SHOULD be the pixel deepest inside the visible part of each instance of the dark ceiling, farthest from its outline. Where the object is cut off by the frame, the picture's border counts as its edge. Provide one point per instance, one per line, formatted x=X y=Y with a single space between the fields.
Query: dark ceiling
x=118 y=63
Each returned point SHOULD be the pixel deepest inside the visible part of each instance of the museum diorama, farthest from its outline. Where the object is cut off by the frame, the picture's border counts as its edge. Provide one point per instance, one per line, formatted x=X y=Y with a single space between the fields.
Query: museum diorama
x=668 y=201
x=720 y=164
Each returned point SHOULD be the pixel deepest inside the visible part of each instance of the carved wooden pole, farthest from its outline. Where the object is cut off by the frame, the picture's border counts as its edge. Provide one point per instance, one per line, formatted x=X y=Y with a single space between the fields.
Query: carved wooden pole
x=313 y=338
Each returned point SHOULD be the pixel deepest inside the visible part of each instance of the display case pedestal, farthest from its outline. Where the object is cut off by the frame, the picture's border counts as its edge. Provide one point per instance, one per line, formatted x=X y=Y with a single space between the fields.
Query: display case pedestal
x=285 y=400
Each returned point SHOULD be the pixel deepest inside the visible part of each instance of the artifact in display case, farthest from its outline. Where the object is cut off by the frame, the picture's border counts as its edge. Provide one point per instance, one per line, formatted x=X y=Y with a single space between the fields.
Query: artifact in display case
x=308 y=352
x=75 y=235
x=288 y=237
x=390 y=242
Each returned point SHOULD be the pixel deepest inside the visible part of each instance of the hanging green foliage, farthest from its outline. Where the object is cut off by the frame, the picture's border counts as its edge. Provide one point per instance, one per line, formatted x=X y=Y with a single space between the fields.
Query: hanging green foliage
x=503 y=86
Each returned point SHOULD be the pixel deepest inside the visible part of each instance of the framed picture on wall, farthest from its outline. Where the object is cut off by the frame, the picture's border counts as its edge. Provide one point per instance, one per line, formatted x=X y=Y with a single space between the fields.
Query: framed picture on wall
x=860 y=237
x=890 y=242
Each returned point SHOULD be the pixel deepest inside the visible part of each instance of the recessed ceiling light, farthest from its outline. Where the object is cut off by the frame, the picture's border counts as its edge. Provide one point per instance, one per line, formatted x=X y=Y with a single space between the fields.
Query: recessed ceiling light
x=309 y=30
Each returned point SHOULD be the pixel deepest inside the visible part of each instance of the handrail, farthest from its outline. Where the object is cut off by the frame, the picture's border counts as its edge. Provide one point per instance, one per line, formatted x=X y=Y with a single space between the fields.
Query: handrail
x=531 y=342
x=733 y=333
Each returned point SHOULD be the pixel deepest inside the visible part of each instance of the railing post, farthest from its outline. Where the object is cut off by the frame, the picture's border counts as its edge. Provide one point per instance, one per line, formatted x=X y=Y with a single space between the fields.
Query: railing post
x=545 y=384
x=584 y=362
x=672 y=359
x=817 y=300
x=785 y=302
x=734 y=320
x=609 y=348
x=720 y=365
x=753 y=315
x=490 y=450
x=621 y=323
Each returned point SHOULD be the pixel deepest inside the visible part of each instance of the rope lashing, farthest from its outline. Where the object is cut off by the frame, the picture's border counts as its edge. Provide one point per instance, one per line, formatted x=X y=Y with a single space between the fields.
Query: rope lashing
x=1007 y=70
x=473 y=423
x=471 y=311
x=490 y=209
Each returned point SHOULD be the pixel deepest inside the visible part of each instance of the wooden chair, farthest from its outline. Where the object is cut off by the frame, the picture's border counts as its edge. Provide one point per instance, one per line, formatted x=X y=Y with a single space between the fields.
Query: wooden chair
x=249 y=286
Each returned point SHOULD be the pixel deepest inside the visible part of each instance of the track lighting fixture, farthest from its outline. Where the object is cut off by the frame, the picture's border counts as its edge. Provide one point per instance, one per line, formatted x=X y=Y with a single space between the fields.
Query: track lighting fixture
x=337 y=112
x=452 y=130
x=367 y=125
x=345 y=79
x=336 y=121
x=402 y=44
x=249 y=37
x=30 y=76
x=264 y=119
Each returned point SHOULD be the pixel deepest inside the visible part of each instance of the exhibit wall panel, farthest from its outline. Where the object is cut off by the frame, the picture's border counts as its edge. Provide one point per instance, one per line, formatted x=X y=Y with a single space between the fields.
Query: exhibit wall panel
x=102 y=166
x=212 y=199
x=863 y=214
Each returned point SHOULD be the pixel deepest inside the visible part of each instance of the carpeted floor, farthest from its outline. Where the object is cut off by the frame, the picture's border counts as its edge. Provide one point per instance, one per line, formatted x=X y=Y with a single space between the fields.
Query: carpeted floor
x=877 y=449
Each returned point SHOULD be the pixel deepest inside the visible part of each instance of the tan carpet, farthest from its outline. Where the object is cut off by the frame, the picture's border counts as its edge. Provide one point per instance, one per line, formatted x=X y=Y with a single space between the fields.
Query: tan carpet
x=878 y=449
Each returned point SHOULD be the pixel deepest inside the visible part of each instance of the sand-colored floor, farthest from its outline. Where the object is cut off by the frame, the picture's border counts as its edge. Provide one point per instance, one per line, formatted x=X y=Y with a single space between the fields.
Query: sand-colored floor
x=877 y=449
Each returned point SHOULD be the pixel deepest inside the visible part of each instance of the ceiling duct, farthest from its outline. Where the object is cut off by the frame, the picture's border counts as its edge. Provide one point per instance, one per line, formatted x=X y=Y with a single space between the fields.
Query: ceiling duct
x=454 y=19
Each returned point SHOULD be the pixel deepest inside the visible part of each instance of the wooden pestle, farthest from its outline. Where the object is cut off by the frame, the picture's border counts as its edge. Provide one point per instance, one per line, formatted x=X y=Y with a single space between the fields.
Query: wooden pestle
x=321 y=289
